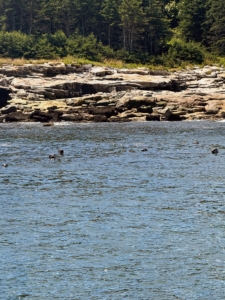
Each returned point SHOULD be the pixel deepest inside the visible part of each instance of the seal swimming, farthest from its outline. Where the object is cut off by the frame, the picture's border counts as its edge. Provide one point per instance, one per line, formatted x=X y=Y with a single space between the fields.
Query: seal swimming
x=215 y=150
x=61 y=151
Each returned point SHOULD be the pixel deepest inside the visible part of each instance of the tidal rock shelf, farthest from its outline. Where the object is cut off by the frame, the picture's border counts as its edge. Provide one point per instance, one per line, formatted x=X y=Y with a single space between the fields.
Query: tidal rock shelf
x=57 y=92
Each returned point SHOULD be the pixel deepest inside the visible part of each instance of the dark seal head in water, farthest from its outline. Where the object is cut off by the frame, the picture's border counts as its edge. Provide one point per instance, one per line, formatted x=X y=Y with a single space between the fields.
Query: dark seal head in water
x=52 y=156
x=215 y=150
x=61 y=151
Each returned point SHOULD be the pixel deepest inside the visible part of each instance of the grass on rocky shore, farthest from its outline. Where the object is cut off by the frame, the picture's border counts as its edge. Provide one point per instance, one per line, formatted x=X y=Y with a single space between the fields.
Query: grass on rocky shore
x=77 y=61
x=209 y=60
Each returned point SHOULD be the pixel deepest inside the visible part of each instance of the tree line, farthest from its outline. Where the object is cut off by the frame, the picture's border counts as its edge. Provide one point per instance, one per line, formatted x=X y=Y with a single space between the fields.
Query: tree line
x=135 y=30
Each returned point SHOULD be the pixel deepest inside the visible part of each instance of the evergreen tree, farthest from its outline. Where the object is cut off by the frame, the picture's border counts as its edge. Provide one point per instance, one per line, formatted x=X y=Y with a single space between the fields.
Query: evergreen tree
x=89 y=17
x=132 y=21
x=215 y=25
x=156 y=27
x=31 y=10
x=11 y=17
x=50 y=18
x=111 y=17
x=192 y=17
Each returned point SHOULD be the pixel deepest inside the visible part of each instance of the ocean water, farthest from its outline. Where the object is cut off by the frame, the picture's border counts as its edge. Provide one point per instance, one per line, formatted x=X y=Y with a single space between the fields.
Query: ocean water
x=107 y=220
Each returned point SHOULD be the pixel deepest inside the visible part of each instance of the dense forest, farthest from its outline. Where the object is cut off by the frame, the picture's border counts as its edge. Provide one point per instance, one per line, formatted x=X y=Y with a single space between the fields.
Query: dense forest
x=131 y=30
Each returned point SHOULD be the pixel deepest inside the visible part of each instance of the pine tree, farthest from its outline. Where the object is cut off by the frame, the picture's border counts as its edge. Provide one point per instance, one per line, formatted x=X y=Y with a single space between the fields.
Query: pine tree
x=156 y=27
x=192 y=17
x=132 y=21
x=11 y=16
x=111 y=17
x=215 y=22
x=88 y=13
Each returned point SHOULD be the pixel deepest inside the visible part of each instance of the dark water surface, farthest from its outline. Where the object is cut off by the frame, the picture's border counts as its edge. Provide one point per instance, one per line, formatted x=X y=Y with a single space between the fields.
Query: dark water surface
x=108 y=221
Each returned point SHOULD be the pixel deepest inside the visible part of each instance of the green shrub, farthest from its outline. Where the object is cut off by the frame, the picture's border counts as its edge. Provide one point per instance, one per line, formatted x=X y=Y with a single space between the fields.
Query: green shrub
x=43 y=48
x=49 y=46
x=87 y=47
x=181 y=51
x=13 y=44
x=58 y=41
x=122 y=54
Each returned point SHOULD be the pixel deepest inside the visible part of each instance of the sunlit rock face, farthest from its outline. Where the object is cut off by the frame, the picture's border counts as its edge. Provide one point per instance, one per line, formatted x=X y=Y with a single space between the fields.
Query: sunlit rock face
x=54 y=93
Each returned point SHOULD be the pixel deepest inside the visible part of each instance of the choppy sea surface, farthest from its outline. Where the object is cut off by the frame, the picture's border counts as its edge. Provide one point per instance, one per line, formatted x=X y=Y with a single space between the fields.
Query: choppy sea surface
x=108 y=220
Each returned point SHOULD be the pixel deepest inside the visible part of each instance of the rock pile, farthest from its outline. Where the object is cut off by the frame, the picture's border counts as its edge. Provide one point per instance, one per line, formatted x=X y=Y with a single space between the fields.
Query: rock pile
x=50 y=93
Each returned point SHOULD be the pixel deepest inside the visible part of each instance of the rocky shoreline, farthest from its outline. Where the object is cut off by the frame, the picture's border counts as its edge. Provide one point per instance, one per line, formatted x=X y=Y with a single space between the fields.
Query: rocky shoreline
x=51 y=93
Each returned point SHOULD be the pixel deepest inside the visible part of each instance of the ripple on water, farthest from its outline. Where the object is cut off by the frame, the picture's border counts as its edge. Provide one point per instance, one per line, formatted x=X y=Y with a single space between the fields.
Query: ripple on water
x=107 y=220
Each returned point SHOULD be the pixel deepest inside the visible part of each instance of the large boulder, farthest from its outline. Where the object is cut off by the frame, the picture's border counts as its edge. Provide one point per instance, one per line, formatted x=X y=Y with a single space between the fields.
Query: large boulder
x=115 y=119
x=106 y=111
x=153 y=117
x=101 y=71
x=17 y=117
x=40 y=116
x=96 y=118
x=134 y=101
x=9 y=109
x=72 y=117
x=212 y=107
